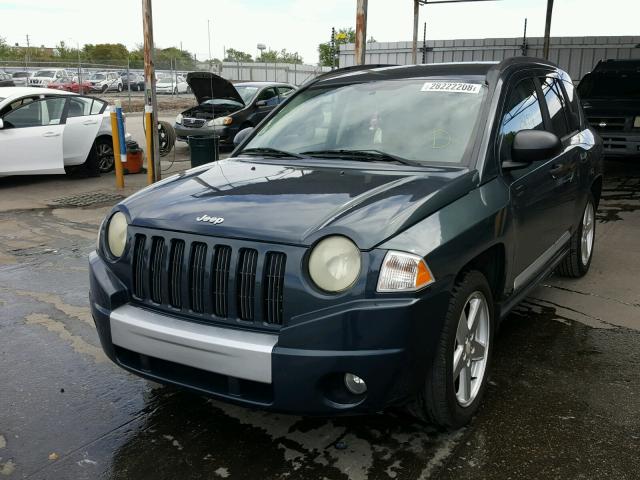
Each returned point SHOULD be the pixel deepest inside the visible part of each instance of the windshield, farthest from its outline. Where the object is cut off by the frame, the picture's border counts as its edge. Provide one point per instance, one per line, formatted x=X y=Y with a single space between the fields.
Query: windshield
x=610 y=85
x=97 y=76
x=417 y=120
x=247 y=93
x=20 y=74
x=45 y=73
x=165 y=80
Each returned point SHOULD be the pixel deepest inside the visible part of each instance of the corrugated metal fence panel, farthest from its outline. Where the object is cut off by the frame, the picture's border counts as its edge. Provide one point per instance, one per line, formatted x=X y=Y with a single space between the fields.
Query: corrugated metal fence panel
x=259 y=72
x=576 y=55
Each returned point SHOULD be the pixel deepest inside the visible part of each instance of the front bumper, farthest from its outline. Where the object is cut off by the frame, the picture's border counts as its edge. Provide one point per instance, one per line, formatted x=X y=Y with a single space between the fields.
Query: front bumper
x=282 y=370
x=225 y=134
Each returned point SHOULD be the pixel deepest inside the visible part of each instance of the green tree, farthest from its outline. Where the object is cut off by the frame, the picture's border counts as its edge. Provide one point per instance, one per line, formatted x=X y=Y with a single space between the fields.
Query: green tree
x=106 y=52
x=233 y=55
x=343 y=36
x=273 y=56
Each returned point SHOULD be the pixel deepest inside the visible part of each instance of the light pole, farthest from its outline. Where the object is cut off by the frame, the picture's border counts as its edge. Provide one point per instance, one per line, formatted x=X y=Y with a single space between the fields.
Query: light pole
x=262 y=47
x=209 y=38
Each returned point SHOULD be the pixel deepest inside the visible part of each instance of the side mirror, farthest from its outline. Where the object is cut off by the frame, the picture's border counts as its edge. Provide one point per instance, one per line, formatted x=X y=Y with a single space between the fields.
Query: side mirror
x=1 y=124
x=261 y=103
x=531 y=146
x=241 y=136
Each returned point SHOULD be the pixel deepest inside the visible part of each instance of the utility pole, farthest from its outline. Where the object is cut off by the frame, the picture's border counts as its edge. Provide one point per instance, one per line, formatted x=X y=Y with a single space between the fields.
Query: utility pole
x=361 y=31
x=151 y=104
x=424 y=44
x=209 y=37
x=524 y=39
x=547 y=30
x=27 y=55
x=416 y=18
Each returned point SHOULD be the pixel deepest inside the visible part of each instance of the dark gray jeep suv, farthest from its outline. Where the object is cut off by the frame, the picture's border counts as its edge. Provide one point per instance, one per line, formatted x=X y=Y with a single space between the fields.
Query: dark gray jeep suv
x=361 y=245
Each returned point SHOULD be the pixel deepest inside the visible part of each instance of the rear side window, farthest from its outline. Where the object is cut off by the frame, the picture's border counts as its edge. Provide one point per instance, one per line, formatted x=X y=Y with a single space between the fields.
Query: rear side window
x=522 y=112
x=79 y=107
x=555 y=103
x=574 y=105
x=97 y=107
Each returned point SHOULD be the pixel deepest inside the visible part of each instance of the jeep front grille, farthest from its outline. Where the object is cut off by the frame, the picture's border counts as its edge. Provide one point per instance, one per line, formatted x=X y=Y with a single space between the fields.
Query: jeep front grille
x=206 y=279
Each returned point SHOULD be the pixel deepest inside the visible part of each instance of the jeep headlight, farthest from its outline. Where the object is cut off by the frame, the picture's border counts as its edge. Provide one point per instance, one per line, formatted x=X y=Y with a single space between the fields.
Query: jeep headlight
x=117 y=234
x=179 y=119
x=636 y=122
x=334 y=264
x=403 y=272
x=220 y=121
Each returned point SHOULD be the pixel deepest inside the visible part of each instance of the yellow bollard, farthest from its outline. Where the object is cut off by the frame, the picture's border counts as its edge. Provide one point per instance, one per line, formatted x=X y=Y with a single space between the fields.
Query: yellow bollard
x=116 y=150
x=148 y=122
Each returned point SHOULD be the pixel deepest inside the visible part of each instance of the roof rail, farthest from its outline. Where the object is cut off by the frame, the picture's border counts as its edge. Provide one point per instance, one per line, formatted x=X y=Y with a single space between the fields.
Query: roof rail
x=352 y=68
x=507 y=62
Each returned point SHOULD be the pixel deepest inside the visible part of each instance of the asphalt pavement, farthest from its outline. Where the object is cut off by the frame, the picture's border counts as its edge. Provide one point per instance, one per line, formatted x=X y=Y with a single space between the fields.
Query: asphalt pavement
x=563 y=400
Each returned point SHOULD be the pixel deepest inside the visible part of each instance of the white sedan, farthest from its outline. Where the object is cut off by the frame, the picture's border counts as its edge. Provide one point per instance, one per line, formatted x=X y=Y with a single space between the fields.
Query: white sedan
x=46 y=131
x=172 y=85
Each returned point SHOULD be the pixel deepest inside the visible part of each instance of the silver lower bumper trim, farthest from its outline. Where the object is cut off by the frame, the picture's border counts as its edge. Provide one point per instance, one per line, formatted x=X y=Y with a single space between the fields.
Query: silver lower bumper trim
x=226 y=351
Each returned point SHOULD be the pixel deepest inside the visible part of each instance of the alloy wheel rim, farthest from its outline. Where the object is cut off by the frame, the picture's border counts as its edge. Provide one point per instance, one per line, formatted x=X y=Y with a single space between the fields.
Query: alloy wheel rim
x=588 y=228
x=471 y=349
x=105 y=157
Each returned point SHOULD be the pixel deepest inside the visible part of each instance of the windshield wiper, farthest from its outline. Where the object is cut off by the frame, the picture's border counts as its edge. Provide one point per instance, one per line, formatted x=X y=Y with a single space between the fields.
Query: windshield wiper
x=270 y=152
x=363 y=155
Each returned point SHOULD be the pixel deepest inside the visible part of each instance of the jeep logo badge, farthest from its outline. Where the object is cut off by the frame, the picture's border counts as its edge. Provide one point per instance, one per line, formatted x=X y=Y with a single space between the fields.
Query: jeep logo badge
x=208 y=219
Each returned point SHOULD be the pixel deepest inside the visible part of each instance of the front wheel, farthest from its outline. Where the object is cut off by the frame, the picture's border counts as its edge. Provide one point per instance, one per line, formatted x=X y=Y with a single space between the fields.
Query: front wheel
x=119 y=87
x=577 y=262
x=457 y=380
x=104 y=154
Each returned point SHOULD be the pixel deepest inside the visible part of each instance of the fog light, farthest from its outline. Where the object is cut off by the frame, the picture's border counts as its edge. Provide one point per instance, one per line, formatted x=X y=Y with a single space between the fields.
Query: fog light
x=354 y=384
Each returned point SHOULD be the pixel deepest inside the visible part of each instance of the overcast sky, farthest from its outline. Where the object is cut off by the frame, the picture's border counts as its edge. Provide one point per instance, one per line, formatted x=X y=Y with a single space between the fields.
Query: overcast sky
x=298 y=24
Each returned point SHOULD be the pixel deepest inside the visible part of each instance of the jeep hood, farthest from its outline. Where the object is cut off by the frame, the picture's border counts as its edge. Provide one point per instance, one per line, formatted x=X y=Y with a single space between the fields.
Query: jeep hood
x=295 y=204
x=206 y=86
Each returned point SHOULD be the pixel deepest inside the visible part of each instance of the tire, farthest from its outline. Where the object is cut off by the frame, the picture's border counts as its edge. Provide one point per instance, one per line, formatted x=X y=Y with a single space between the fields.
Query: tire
x=442 y=400
x=104 y=154
x=104 y=89
x=119 y=87
x=167 y=138
x=577 y=262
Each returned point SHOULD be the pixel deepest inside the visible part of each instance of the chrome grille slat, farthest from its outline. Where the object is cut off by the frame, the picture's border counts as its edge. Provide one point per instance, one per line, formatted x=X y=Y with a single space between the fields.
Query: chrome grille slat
x=138 y=266
x=221 y=262
x=273 y=293
x=197 y=272
x=175 y=273
x=155 y=269
x=247 y=283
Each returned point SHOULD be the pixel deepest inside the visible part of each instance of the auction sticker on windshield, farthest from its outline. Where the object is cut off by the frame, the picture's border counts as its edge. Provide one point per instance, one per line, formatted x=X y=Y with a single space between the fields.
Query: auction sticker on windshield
x=451 y=87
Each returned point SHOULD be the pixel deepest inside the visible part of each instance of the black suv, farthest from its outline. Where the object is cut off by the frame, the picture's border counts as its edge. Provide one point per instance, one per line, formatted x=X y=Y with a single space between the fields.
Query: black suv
x=362 y=244
x=611 y=99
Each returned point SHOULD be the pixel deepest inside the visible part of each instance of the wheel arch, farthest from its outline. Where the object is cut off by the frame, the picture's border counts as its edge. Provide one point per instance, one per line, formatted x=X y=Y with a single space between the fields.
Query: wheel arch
x=492 y=264
x=596 y=190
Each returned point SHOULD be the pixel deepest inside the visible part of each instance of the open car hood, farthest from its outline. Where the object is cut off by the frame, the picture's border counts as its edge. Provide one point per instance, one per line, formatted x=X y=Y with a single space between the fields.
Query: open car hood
x=207 y=86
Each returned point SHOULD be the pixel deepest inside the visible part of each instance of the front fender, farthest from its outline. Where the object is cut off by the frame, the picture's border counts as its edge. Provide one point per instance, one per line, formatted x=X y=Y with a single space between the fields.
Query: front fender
x=453 y=236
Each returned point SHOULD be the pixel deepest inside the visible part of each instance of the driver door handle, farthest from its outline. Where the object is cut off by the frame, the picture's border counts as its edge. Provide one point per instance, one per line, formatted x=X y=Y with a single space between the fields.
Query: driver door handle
x=90 y=122
x=51 y=134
